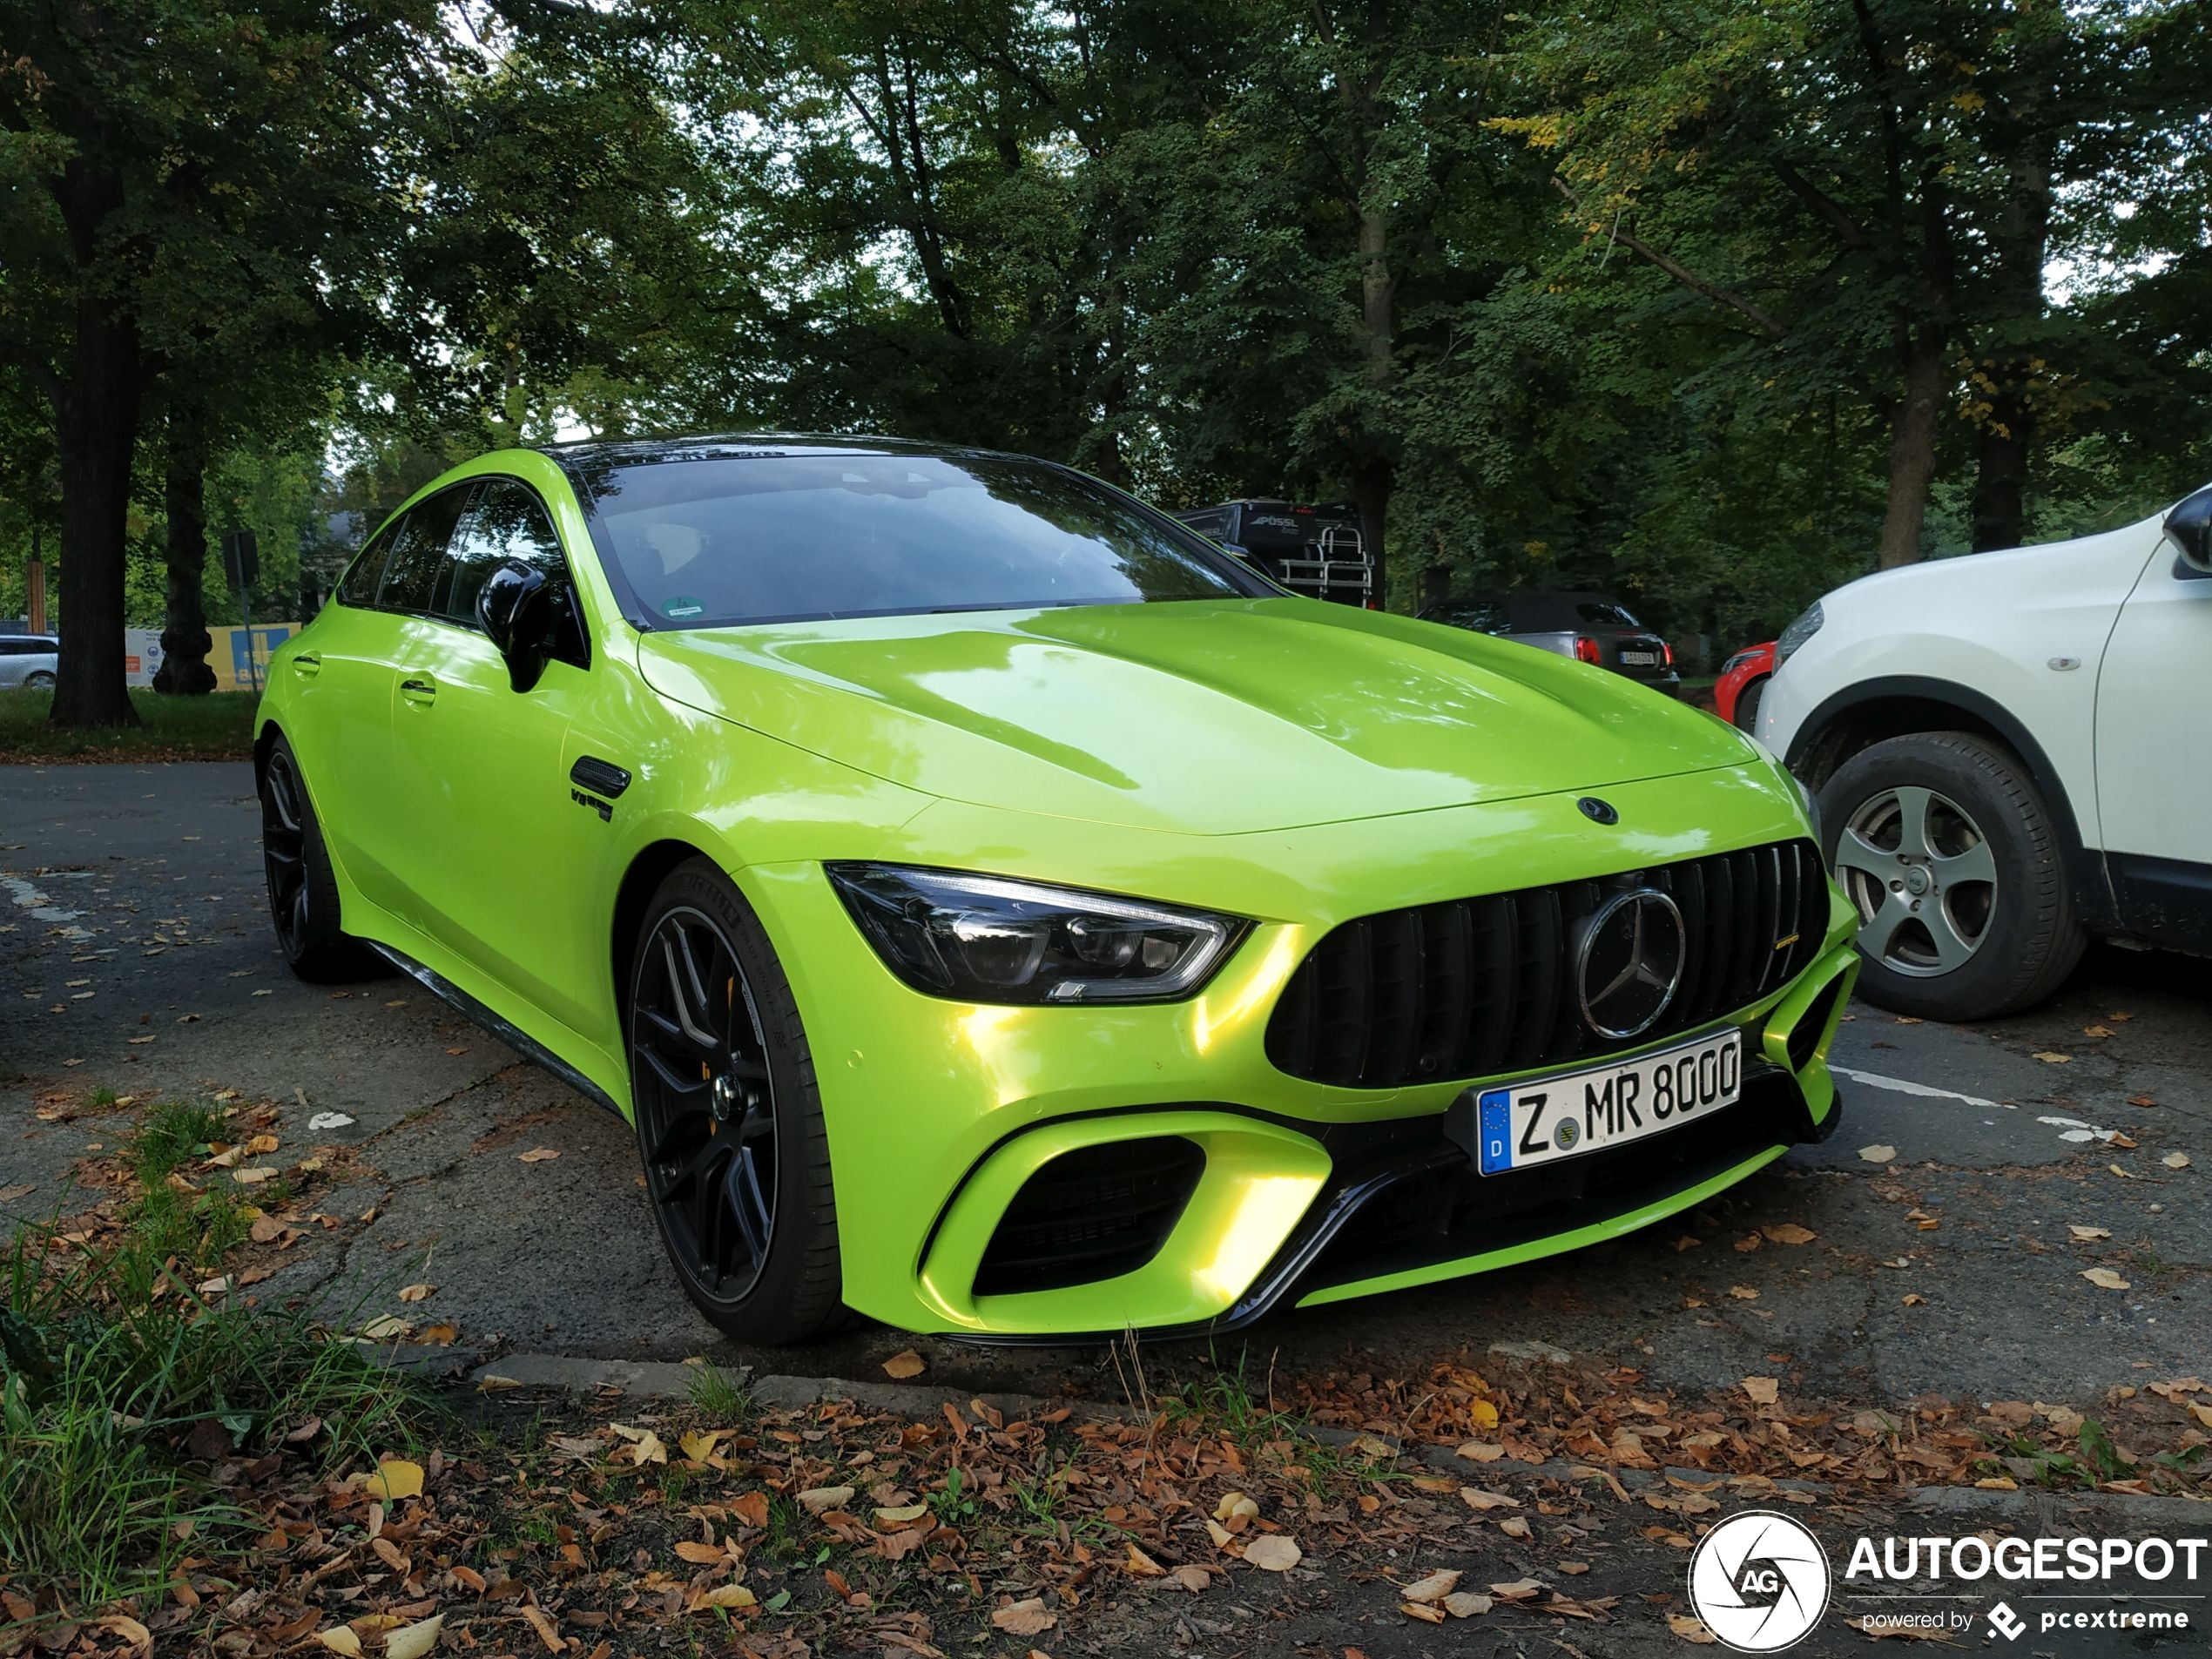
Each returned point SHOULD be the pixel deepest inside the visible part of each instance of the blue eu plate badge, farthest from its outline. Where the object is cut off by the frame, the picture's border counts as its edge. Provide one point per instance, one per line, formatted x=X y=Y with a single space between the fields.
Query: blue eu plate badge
x=1493 y=1109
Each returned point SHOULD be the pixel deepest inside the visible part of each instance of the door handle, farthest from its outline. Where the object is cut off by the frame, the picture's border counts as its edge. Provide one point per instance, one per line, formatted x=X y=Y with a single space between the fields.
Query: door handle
x=419 y=689
x=306 y=665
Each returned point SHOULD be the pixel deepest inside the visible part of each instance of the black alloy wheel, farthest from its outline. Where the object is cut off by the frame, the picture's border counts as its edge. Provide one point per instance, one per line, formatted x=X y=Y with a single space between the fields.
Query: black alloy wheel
x=284 y=851
x=303 y=891
x=705 y=1099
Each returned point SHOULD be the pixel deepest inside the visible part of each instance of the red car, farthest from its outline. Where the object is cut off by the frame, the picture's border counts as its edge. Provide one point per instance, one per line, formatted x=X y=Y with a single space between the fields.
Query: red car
x=1743 y=681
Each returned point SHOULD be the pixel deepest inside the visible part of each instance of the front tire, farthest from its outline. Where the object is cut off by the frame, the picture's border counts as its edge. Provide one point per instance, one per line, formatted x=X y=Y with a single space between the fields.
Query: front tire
x=1747 y=704
x=729 y=1120
x=1948 y=851
x=303 y=891
x=40 y=681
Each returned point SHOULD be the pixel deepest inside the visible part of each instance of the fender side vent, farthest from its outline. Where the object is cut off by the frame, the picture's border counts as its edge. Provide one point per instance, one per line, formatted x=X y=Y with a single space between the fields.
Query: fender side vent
x=1091 y=1214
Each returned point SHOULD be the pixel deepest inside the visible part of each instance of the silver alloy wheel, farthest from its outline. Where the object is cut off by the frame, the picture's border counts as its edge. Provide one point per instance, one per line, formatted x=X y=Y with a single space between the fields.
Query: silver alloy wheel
x=1920 y=873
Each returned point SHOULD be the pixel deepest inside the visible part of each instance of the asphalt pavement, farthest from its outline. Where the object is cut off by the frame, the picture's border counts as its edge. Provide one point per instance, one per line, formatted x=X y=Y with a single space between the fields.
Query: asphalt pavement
x=136 y=956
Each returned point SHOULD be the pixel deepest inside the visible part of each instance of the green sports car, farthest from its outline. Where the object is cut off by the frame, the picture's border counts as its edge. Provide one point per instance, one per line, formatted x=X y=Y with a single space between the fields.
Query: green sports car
x=1001 y=911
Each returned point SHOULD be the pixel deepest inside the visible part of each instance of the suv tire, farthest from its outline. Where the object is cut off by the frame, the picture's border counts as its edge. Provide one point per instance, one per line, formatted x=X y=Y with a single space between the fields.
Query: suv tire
x=1947 y=850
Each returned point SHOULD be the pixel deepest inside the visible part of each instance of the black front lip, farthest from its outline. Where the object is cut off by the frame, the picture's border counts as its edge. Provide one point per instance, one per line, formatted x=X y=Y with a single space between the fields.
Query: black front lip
x=1375 y=1160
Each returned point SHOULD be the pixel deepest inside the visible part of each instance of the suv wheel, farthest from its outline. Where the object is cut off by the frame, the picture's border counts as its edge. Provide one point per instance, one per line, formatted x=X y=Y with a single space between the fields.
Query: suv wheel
x=40 y=681
x=1945 y=847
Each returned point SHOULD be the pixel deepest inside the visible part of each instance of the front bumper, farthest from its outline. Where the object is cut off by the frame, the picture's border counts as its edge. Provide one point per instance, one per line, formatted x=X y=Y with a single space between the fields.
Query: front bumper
x=941 y=1115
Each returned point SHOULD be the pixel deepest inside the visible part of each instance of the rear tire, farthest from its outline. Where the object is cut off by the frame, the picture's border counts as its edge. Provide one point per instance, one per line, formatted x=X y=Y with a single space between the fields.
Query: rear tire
x=1949 y=853
x=736 y=1157
x=303 y=890
x=41 y=681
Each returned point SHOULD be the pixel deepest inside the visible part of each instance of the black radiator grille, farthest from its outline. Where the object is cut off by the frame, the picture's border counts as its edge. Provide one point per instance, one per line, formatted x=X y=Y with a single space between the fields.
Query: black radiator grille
x=1473 y=988
x=1093 y=1213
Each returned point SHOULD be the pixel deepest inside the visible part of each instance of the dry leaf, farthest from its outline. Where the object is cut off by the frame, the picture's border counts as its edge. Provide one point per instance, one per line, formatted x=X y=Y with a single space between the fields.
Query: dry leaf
x=1690 y=1629
x=2172 y=1161
x=413 y=1641
x=1762 y=1390
x=1482 y=1498
x=725 y=1596
x=538 y=1154
x=1877 y=1154
x=1914 y=1300
x=649 y=1449
x=340 y=1639
x=902 y=1515
x=697 y=1446
x=1482 y=1413
x=1514 y=1527
x=1142 y=1566
x=1790 y=1233
x=398 y=1479
x=1427 y=1615
x=417 y=1293
x=1193 y=1579
x=1743 y=1292
x=550 y=1635
x=1024 y=1618
x=700 y=1554
x=2051 y=1059
x=1749 y=1242
x=2096 y=1030
x=816 y=1500
x=1482 y=1450
x=1434 y=1587
x=904 y=1364
x=2104 y=1278
x=1520 y=1590
x=2085 y=1235
x=1467 y=1604
x=1273 y=1552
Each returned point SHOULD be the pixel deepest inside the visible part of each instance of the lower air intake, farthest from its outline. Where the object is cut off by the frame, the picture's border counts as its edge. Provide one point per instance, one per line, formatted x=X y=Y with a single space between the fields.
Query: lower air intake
x=1091 y=1214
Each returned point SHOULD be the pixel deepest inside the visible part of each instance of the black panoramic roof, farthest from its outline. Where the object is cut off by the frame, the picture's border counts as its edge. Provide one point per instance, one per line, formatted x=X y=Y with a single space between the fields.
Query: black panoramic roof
x=644 y=451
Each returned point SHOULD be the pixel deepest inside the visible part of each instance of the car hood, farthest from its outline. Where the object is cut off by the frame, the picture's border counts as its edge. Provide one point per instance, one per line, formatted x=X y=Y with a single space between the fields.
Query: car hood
x=1202 y=717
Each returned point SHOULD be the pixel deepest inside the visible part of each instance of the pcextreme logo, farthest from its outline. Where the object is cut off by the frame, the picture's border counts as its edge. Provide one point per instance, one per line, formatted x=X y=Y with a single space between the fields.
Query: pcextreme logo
x=1760 y=1581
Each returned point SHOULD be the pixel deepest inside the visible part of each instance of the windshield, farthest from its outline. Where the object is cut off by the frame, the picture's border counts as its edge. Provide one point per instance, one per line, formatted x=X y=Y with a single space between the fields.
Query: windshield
x=713 y=540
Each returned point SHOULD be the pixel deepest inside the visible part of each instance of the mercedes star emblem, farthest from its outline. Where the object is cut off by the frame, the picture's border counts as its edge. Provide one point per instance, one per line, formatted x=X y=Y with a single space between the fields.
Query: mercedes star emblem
x=1630 y=962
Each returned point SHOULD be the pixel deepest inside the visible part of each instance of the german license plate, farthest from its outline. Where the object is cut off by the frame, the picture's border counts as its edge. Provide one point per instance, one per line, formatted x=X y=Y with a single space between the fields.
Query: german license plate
x=1549 y=1118
x=1640 y=658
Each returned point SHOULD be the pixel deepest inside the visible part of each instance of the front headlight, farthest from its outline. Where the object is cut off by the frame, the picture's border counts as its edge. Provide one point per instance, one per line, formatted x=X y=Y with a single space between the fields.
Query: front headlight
x=1806 y=626
x=991 y=938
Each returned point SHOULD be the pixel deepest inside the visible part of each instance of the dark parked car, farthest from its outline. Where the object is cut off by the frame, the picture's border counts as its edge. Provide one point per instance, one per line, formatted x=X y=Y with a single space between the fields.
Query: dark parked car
x=1587 y=626
x=1317 y=551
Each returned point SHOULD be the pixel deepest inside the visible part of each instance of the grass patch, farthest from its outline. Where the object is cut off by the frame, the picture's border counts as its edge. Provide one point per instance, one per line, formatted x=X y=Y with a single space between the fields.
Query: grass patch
x=219 y=727
x=123 y=1392
x=718 y=1396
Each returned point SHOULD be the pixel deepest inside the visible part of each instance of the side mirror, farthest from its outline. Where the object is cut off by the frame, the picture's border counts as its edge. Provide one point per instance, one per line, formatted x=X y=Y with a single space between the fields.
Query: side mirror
x=1237 y=550
x=2190 y=526
x=515 y=607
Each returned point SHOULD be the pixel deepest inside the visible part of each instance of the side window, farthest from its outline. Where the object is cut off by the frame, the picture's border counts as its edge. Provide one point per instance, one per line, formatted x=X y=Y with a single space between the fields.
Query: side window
x=510 y=522
x=419 y=550
x=359 y=587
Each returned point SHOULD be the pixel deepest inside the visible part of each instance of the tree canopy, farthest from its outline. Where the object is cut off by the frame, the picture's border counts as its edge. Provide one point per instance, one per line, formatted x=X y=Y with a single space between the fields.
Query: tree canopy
x=1711 y=304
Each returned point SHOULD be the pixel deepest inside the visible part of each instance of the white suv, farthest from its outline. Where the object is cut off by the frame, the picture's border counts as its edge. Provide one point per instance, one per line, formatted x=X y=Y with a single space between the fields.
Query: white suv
x=2011 y=752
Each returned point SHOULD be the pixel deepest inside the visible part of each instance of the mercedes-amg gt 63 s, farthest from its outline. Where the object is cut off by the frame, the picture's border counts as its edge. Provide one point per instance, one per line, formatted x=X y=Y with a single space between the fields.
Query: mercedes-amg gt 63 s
x=1001 y=911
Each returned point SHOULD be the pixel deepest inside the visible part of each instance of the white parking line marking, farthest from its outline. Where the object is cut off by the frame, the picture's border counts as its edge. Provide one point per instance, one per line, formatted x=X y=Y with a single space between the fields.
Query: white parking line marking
x=1903 y=1086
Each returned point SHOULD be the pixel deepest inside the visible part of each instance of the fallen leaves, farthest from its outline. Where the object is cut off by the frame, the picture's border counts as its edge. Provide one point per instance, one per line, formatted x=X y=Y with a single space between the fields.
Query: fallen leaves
x=2086 y=1235
x=1878 y=1153
x=1482 y=1499
x=1273 y=1552
x=2104 y=1279
x=900 y=1366
x=1433 y=1588
x=1789 y=1233
x=1744 y=1292
x=1027 y=1618
x=394 y=1480
x=820 y=1500
x=416 y=1292
x=2172 y=1161
x=414 y=1640
x=538 y=1155
x=2051 y=1058
x=1762 y=1391
x=1690 y=1628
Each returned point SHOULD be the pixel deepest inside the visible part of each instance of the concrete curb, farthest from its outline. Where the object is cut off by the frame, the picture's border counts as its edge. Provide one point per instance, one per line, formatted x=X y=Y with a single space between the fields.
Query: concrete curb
x=661 y=1379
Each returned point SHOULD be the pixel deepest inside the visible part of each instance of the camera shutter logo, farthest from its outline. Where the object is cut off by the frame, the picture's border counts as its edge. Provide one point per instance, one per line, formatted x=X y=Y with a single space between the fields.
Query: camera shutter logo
x=1760 y=1581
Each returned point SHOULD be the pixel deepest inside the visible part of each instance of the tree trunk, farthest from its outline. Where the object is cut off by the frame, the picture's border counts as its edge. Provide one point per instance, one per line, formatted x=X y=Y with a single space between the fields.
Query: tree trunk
x=2001 y=448
x=97 y=431
x=1372 y=483
x=184 y=640
x=1912 y=448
